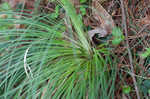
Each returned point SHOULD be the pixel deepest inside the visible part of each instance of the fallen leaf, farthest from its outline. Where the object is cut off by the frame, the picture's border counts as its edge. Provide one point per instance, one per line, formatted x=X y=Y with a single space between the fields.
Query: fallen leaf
x=101 y=15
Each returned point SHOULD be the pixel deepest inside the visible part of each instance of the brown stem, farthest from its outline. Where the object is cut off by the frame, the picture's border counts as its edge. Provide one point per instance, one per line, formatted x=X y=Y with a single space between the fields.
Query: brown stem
x=128 y=48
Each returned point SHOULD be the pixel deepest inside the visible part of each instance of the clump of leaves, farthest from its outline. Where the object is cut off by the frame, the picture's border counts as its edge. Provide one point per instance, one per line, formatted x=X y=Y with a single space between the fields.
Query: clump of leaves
x=117 y=36
x=56 y=12
x=146 y=53
x=83 y=10
x=126 y=89
x=82 y=7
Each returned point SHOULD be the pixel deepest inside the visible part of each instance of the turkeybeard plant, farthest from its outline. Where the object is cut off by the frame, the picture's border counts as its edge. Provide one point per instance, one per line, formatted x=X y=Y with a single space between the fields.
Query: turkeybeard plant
x=41 y=61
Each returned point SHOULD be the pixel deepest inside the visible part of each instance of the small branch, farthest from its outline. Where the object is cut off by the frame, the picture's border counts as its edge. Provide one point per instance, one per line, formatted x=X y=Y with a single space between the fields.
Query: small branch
x=128 y=48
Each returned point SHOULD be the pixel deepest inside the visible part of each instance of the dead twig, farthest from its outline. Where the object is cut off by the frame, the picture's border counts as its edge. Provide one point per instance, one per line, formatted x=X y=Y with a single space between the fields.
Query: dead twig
x=128 y=48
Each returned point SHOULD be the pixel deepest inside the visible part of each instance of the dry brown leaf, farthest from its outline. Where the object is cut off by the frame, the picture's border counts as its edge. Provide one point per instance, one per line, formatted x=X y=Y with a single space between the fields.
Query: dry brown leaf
x=100 y=14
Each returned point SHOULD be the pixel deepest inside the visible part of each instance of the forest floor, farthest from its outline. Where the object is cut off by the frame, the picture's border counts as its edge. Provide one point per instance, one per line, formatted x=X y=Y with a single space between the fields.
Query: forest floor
x=132 y=49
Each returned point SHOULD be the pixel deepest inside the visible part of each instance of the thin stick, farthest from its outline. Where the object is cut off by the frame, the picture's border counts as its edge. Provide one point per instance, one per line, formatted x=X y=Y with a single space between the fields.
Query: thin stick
x=128 y=48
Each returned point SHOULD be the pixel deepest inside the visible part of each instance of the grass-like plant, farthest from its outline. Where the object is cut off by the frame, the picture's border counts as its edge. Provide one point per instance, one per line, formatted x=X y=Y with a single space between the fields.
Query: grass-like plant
x=39 y=62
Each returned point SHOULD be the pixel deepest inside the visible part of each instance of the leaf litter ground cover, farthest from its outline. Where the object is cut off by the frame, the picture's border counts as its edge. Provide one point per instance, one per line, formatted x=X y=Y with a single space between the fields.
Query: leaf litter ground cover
x=74 y=49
